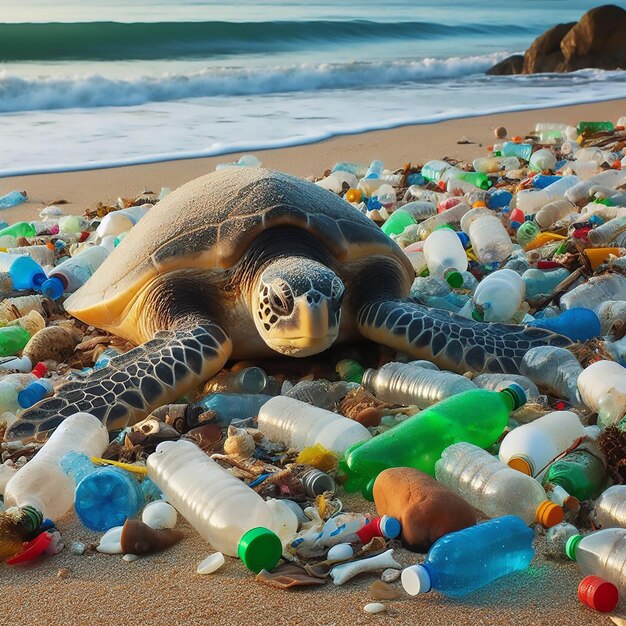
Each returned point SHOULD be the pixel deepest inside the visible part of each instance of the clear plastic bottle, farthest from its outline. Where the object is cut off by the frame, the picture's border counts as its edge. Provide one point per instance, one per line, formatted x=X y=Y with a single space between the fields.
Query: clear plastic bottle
x=409 y=384
x=542 y=283
x=463 y=561
x=556 y=539
x=607 y=232
x=24 y=271
x=552 y=212
x=248 y=380
x=609 y=510
x=531 y=201
x=74 y=273
x=320 y=393
x=612 y=316
x=492 y=165
x=13 y=198
x=596 y=290
x=602 y=387
x=499 y=296
x=40 y=254
x=530 y=448
x=553 y=369
x=580 y=191
x=42 y=483
x=490 y=241
x=498 y=382
x=230 y=407
x=233 y=518
x=11 y=385
x=519 y=150
x=434 y=170
x=299 y=425
x=602 y=553
x=420 y=209
x=451 y=217
x=357 y=169
x=542 y=159
x=118 y=222
x=494 y=488
x=445 y=256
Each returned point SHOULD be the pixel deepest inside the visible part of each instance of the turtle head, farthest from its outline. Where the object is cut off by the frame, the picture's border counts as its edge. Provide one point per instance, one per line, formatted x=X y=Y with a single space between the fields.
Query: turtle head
x=296 y=306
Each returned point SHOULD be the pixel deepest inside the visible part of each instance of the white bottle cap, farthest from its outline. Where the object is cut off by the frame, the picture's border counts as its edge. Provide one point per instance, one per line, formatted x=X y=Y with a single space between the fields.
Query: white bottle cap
x=415 y=580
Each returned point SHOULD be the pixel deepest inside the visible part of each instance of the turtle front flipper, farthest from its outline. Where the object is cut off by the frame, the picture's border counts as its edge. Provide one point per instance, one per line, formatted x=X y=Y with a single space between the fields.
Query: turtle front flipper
x=135 y=383
x=451 y=341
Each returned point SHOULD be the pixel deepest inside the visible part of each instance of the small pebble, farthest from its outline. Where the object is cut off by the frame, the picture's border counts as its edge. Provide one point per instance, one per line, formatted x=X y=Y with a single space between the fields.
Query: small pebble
x=500 y=132
x=129 y=558
x=77 y=548
x=374 y=607
x=369 y=417
x=389 y=575
x=64 y=572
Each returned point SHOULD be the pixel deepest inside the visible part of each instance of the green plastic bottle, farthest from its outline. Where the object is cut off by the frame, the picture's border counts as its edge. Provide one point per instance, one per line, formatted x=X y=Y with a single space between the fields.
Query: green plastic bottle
x=527 y=233
x=580 y=473
x=19 y=229
x=397 y=222
x=350 y=371
x=477 y=416
x=12 y=340
x=594 y=127
x=478 y=179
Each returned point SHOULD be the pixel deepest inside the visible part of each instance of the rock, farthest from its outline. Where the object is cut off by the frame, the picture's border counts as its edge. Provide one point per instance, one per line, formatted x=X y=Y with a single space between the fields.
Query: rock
x=510 y=65
x=427 y=509
x=544 y=54
x=500 y=132
x=64 y=572
x=369 y=417
x=389 y=575
x=382 y=591
x=130 y=558
x=77 y=548
x=374 y=607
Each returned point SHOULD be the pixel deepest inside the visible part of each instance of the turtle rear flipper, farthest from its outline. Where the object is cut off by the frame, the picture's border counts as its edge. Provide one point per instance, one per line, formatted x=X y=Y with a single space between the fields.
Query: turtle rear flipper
x=451 y=341
x=135 y=383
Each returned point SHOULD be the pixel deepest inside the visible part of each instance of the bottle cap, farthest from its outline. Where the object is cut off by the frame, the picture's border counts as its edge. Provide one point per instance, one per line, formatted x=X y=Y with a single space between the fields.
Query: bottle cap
x=39 y=370
x=572 y=545
x=465 y=240
x=259 y=549
x=390 y=527
x=38 y=279
x=598 y=594
x=453 y=278
x=415 y=580
x=517 y=393
x=521 y=464
x=52 y=288
x=549 y=514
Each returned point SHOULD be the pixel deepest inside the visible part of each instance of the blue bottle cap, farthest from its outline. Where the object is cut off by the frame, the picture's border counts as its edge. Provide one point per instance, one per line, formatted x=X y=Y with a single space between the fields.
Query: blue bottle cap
x=53 y=288
x=390 y=527
x=465 y=240
x=32 y=394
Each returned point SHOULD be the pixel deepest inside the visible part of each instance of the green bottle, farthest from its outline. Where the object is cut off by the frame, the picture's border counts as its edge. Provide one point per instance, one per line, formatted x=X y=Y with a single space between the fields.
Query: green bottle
x=581 y=473
x=397 y=222
x=12 y=340
x=478 y=179
x=477 y=416
x=527 y=233
x=350 y=371
x=594 y=127
x=19 y=229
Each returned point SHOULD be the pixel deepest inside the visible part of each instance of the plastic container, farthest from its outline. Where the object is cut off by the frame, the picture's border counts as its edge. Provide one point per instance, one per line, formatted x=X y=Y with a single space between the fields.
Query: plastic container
x=34 y=392
x=24 y=271
x=602 y=387
x=595 y=127
x=75 y=272
x=494 y=488
x=13 y=339
x=499 y=296
x=490 y=241
x=445 y=256
x=43 y=255
x=321 y=393
x=13 y=198
x=492 y=165
x=232 y=517
x=543 y=283
x=532 y=200
x=477 y=415
x=19 y=229
x=556 y=539
x=299 y=425
x=498 y=382
x=397 y=222
x=612 y=316
x=596 y=290
x=577 y=324
x=552 y=212
x=420 y=209
x=250 y=380
x=607 y=232
x=42 y=483
x=609 y=510
x=602 y=554
x=117 y=222
x=409 y=384
x=530 y=448
x=12 y=384
x=463 y=561
x=448 y=217
x=230 y=407
x=527 y=233
x=519 y=150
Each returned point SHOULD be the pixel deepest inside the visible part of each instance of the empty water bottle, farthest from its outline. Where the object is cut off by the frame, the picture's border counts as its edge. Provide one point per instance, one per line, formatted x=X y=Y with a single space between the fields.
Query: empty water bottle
x=494 y=488
x=595 y=127
x=542 y=283
x=463 y=561
x=445 y=256
x=117 y=222
x=320 y=393
x=542 y=159
x=490 y=241
x=13 y=198
x=233 y=406
x=398 y=222
x=556 y=539
x=519 y=150
x=612 y=316
x=577 y=324
x=11 y=385
x=602 y=387
x=19 y=229
x=498 y=382
x=248 y=380
x=451 y=217
x=499 y=296
x=595 y=291
x=410 y=384
x=531 y=201
x=609 y=510
x=552 y=212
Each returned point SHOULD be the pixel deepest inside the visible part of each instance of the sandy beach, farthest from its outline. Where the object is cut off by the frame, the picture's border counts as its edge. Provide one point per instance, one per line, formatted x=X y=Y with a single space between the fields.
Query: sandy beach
x=164 y=588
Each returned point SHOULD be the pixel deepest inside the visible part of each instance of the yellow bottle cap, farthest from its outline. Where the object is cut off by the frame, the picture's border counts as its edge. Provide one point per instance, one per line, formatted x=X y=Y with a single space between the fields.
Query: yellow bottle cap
x=521 y=464
x=549 y=514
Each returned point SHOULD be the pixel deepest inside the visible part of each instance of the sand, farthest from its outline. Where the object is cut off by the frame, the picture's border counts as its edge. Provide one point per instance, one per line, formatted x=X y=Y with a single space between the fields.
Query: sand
x=164 y=588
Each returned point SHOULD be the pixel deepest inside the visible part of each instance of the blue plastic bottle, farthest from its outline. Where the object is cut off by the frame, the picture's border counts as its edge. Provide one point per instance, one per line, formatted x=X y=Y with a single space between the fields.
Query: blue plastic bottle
x=24 y=271
x=520 y=150
x=233 y=406
x=541 y=181
x=106 y=496
x=577 y=324
x=542 y=283
x=13 y=198
x=34 y=392
x=461 y=562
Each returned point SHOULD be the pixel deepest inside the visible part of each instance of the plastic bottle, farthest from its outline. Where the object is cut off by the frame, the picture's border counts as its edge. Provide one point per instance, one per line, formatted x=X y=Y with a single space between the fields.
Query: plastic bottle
x=357 y=169
x=476 y=415
x=602 y=387
x=74 y=273
x=350 y=371
x=249 y=380
x=607 y=232
x=232 y=517
x=543 y=283
x=602 y=553
x=19 y=229
x=530 y=448
x=13 y=198
x=492 y=165
x=13 y=338
x=320 y=393
x=420 y=209
x=519 y=150
x=499 y=296
x=34 y=392
x=577 y=324
x=596 y=290
x=11 y=385
x=498 y=382
x=494 y=488
x=490 y=241
x=532 y=200
x=117 y=222
x=24 y=271
x=594 y=127
x=450 y=217
x=463 y=561
x=609 y=510
x=445 y=256
x=233 y=406
x=409 y=384
x=42 y=483
x=43 y=255
x=397 y=222
x=527 y=233
x=299 y=425
x=433 y=170
x=556 y=539
x=105 y=497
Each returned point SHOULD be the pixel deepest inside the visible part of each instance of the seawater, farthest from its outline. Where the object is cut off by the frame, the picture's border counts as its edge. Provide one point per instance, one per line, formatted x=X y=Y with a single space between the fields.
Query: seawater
x=96 y=82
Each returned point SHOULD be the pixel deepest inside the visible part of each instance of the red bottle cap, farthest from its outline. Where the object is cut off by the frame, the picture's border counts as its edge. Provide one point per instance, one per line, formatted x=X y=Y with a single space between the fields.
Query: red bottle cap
x=84 y=235
x=39 y=370
x=548 y=265
x=517 y=215
x=598 y=594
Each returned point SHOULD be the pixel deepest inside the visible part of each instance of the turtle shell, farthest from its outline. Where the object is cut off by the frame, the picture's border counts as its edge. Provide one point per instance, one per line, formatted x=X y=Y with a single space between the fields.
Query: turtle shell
x=209 y=223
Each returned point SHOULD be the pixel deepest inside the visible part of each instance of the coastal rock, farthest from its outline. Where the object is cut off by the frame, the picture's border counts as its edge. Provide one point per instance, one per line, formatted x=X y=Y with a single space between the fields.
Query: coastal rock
x=510 y=65
x=426 y=508
x=544 y=54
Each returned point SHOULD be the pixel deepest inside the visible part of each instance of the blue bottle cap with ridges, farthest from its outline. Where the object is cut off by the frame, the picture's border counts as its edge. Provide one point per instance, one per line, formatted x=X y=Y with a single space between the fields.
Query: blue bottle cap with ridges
x=390 y=527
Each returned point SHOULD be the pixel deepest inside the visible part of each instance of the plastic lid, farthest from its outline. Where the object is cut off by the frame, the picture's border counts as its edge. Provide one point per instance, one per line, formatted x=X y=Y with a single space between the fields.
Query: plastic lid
x=453 y=278
x=32 y=549
x=259 y=549
x=518 y=394
x=39 y=370
x=572 y=545
x=599 y=594
x=32 y=394
x=549 y=514
x=521 y=464
x=39 y=279
x=390 y=527
x=465 y=240
x=477 y=316
x=53 y=288
x=415 y=580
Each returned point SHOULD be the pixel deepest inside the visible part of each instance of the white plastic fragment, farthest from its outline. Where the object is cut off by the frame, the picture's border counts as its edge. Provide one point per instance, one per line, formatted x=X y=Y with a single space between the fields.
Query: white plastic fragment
x=110 y=541
x=211 y=564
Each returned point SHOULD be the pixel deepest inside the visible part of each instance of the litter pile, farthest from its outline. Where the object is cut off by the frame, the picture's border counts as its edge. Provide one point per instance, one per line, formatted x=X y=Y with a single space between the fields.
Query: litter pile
x=460 y=466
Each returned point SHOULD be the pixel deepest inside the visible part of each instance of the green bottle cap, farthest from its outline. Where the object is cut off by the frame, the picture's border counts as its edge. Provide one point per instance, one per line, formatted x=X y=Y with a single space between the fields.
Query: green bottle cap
x=572 y=545
x=517 y=393
x=453 y=278
x=259 y=549
x=477 y=316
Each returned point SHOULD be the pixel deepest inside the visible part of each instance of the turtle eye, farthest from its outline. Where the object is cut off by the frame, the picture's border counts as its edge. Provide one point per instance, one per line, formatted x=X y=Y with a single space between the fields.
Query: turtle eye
x=281 y=298
x=337 y=291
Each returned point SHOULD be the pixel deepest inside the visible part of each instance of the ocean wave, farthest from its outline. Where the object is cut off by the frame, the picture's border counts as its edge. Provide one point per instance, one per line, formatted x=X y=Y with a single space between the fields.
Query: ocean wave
x=54 y=92
x=163 y=40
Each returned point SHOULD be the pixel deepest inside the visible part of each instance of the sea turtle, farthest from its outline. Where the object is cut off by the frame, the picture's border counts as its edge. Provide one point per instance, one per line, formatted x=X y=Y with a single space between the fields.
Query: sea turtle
x=246 y=263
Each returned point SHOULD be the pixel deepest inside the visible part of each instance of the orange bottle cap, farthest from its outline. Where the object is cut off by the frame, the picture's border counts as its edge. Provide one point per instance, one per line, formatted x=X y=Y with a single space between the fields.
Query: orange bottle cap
x=521 y=464
x=549 y=514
